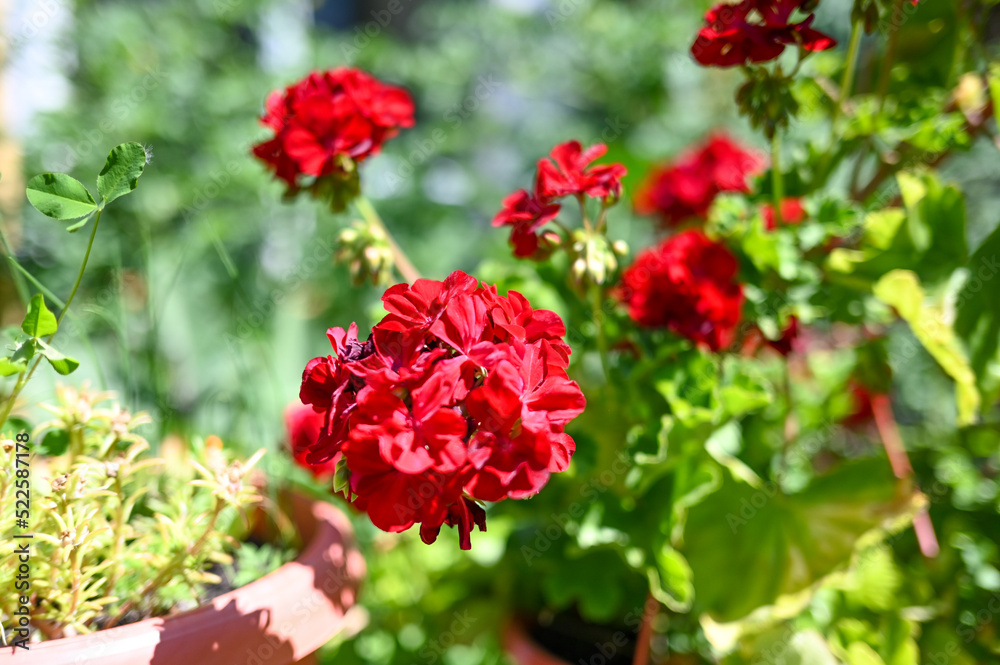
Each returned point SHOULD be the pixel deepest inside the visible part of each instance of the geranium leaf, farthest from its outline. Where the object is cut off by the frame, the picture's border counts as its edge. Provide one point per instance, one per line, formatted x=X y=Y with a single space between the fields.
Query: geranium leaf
x=901 y=289
x=769 y=545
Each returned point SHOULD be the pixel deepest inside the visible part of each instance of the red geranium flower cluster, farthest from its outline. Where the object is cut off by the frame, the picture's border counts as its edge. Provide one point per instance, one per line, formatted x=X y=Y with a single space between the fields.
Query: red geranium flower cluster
x=566 y=172
x=687 y=284
x=686 y=188
x=459 y=396
x=328 y=122
x=755 y=31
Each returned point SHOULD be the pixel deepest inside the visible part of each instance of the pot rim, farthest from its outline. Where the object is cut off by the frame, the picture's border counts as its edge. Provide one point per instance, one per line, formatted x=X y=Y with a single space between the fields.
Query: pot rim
x=275 y=620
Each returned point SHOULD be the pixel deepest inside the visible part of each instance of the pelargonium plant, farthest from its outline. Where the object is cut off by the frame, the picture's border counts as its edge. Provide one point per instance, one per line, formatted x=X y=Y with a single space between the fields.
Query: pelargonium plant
x=721 y=446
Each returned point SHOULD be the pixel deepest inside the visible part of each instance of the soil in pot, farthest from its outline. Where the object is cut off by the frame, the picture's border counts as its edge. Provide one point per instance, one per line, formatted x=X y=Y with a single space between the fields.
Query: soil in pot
x=576 y=640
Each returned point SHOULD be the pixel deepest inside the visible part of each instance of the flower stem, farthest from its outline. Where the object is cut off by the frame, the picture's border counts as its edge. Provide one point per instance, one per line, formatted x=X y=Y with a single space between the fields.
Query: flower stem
x=888 y=431
x=890 y=53
x=399 y=258
x=847 y=83
x=597 y=303
x=22 y=378
x=778 y=185
x=643 y=640
x=19 y=283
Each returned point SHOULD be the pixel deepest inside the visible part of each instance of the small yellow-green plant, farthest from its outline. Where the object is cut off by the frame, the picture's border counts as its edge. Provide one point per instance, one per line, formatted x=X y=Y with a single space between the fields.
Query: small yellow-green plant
x=116 y=534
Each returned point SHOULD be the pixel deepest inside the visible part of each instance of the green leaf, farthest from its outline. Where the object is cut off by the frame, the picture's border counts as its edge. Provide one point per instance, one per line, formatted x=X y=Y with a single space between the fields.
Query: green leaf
x=60 y=196
x=9 y=367
x=670 y=579
x=901 y=289
x=749 y=547
x=860 y=653
x=994 y=77
x=121 y=172
x=927 y=236
x=25 y=351
x=55 y=442
x=978 y=318
x=596 y=581
x=62 y=364
x=39 y=321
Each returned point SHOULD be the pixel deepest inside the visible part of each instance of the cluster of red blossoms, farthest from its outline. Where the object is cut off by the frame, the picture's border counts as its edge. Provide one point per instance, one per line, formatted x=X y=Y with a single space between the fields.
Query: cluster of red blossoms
x=566 y=172
x=755 y=31
x=686 y=188
x=459 y=396
x=687 y=284
x=330 y=121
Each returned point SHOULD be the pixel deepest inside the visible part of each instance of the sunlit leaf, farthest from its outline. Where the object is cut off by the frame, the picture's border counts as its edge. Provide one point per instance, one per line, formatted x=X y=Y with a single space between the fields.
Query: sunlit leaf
x=60 y=196
x=901 y=289
x=121 y=172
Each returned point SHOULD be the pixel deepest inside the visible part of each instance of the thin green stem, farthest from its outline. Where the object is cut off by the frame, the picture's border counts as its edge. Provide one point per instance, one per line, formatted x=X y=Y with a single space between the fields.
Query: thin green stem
x=403 y=264
x=79 y=277
x=890 y=53
x=777 y=182
x=597 y=302
x=583 y=212
x=847 y=83
x=19 y=284
x=24 y=379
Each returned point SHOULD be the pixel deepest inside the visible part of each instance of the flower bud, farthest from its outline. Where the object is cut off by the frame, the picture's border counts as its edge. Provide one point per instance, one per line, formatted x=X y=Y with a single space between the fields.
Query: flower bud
x=365 y=249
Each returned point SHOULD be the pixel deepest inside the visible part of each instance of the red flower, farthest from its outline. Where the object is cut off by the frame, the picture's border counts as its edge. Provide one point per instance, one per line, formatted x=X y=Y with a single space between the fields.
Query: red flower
x=526 y=215
x=567 y=171
x=792 y=212
x=687 y=284
x=754 y=31
x=460 y=395
x=329 y=386
x=303 y=425
x=329 y=121
x=686 y=188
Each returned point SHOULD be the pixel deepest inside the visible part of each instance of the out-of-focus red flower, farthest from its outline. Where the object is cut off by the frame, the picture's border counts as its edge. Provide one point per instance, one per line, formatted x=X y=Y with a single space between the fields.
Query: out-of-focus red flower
x=755 y=31
x=862 y=405
x=329 y=122
x=784 y=345
x=303 y=425
x=460 y=395
x=686 y=188
x=567 y=171
x=688 y=284
x=792 y=212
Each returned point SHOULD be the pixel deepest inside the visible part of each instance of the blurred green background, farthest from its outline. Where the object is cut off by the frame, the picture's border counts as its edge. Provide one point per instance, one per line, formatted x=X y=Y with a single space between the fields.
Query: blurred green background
x=206 y=294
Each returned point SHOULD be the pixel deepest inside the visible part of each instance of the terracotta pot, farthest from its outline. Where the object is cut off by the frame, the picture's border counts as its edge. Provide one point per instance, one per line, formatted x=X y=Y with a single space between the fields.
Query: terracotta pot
x=523 y=650
x=280 y=619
